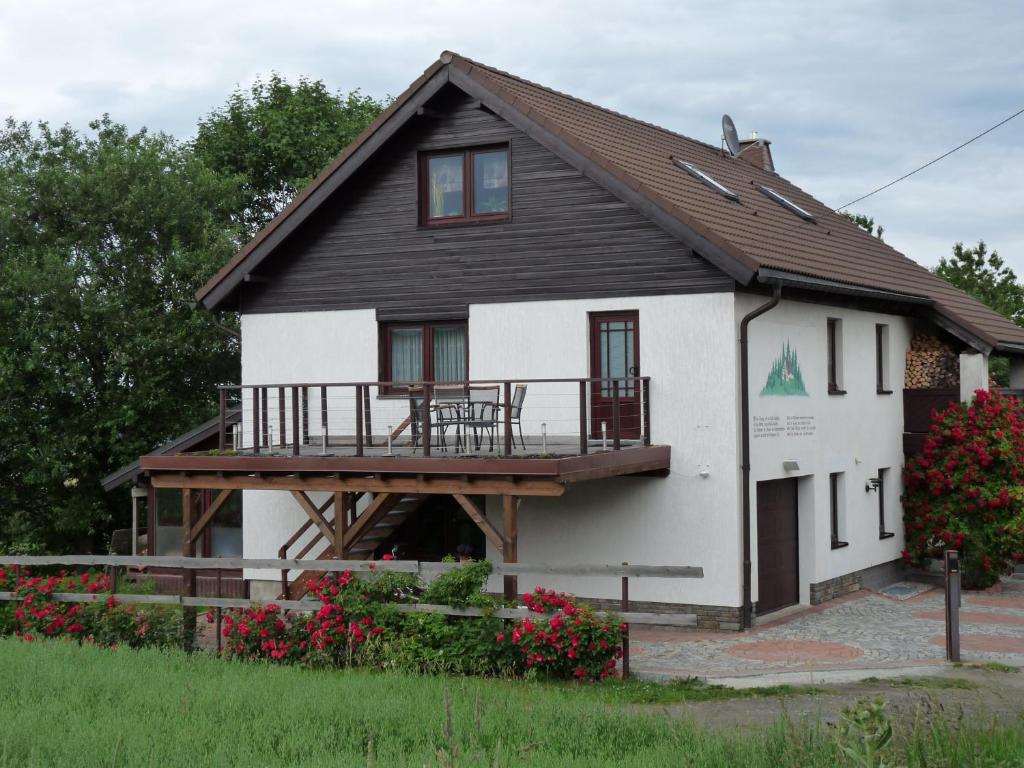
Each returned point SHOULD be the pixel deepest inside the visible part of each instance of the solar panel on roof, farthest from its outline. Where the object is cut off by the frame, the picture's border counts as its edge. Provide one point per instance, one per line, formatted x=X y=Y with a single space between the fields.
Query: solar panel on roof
x=786 y=203
x=698 y=174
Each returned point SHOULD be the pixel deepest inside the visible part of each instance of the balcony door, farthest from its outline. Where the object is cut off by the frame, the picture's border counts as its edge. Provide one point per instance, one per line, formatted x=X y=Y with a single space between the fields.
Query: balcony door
x=615 y=352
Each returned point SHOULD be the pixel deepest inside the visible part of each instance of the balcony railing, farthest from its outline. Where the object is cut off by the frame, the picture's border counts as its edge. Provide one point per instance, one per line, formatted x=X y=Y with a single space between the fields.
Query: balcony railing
x=524 y=417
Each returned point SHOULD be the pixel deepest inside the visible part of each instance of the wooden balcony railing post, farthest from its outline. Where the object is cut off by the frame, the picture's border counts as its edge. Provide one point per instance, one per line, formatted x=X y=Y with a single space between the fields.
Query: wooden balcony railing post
x=428 y=395
x=368 y=436
x=255 y=420
x=647 y=410
x=295 y=421
x=266 y=421
x=359 y=421
x=305 y=414
x=222 y=431
x=281 y=424
x=508 y=417
x=616 y=417
x=323 y=412
x=583 y=418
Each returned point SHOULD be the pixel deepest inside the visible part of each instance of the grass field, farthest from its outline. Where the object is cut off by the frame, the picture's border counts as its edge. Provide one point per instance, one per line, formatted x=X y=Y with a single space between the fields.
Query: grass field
x=64 y=705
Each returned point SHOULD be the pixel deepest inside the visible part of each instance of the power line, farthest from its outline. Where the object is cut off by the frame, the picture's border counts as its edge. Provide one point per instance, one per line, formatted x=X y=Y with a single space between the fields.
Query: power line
x=931 y=162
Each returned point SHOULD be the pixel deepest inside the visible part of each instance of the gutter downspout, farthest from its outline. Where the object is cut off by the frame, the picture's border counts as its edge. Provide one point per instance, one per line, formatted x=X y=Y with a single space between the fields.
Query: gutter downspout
x=747 y=610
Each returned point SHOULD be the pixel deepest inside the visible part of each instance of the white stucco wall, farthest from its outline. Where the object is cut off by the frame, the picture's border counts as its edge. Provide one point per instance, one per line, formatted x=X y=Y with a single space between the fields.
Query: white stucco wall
x=856 y=434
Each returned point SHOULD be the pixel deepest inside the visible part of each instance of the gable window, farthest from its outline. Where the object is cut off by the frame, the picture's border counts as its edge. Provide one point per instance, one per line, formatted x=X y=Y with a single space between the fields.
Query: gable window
x=423 y=352
x=464 y=185
x=835 y=356
x=836 y=508
x=883 y=477
x=882 y=360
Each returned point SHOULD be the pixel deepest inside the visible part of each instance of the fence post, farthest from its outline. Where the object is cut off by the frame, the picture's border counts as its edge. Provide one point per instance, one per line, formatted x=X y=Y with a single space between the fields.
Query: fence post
x=188 y=575
x=220 y=616
x=625 y=632
x=507 y=387
x=952 y=562
x=583 y=418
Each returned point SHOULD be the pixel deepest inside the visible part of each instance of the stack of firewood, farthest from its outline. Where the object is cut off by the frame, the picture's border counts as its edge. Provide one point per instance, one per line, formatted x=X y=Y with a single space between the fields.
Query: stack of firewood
x=931 y=363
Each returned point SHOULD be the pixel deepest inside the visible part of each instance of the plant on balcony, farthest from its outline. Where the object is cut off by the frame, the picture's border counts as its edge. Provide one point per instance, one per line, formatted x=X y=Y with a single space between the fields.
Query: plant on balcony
x=965 y=491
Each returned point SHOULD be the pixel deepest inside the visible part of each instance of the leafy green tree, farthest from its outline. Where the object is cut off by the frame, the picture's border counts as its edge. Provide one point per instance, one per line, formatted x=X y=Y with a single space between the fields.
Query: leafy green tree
x=864 y=222
x=104 y=237
x=276 y=137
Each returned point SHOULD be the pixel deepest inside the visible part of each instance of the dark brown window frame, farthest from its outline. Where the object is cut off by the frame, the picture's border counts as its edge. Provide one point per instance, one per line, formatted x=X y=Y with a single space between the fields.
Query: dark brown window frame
x=833 y=359
x=881 y=360
x=468 y=217
x=882 y=533
x=427 y=326
x=833 y=482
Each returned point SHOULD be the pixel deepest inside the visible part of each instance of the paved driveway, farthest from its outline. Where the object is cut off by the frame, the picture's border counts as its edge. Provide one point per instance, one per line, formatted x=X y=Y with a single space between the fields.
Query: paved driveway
x=862 y=631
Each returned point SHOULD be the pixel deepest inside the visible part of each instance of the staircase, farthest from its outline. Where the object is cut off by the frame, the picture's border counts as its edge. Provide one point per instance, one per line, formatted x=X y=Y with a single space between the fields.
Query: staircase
x=368 y=533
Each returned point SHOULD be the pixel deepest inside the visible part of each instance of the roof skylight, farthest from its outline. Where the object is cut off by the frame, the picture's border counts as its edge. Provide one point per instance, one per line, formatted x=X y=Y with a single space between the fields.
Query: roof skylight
x=698 y=174
x=785 y=203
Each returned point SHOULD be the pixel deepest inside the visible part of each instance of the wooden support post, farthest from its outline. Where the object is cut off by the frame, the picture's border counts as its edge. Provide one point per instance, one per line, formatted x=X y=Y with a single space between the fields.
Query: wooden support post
x=296 y=438
x=428 y=394
x=510 y=513
x=281 y=423
x=188 y=575
x=220 y=614
x=625 y=632
x=616 y=417
x=255 y=420
x=340 y=523
x=952 y=562
x=359 y=420
x=647 y=410
x=222 y=423
x=507 y=387
x=583 y=418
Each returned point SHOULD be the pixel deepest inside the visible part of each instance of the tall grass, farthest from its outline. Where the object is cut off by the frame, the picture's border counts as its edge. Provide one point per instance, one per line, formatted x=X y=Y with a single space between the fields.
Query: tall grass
x=65 y=705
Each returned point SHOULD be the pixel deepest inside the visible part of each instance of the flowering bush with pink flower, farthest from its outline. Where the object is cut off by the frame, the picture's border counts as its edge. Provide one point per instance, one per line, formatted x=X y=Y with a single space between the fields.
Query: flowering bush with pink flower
x=965 y=490
x=566 y=640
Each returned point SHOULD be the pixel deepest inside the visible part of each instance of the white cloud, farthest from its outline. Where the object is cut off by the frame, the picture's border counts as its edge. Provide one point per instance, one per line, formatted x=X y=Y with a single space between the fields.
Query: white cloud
x=852 y=94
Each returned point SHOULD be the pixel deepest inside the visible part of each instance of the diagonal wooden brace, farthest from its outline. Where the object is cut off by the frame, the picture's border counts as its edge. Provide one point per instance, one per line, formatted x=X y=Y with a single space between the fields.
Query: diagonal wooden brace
x=482 y=522
x=208 y=516
x=316 y=515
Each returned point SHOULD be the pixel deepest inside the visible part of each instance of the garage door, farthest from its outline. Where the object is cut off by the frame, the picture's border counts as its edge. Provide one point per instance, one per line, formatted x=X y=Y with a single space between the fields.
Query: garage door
x=778 y=573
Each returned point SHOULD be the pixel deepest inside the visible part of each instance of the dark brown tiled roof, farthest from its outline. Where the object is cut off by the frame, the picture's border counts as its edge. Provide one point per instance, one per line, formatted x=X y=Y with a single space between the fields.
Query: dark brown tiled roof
x=756 y=231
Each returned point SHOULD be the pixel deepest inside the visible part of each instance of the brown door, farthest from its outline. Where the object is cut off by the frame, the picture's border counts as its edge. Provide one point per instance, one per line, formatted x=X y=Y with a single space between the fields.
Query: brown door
x=615 y=352
x=778 y=573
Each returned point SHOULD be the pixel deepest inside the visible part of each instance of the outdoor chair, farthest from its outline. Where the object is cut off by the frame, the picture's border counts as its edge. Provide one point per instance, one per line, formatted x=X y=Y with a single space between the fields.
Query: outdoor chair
x=517 y=411
x=449 y=408
x=482 y=414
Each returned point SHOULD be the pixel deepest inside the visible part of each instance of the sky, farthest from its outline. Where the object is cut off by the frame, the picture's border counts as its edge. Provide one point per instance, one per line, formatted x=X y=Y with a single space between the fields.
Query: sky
x=852 y=94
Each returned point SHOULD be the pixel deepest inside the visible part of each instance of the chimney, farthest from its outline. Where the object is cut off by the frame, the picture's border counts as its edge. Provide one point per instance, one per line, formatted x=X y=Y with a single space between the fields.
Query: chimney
x=757 y=152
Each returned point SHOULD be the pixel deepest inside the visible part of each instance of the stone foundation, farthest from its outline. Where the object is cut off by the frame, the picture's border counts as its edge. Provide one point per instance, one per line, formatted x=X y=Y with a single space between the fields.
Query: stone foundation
x=869 y=578
x=708 y=616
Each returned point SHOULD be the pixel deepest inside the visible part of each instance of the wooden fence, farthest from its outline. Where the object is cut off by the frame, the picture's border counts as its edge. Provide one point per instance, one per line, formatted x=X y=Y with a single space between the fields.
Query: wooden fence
x=428 y=569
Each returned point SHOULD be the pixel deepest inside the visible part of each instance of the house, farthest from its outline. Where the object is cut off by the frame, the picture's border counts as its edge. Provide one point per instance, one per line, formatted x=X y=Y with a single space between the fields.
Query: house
x=509 y=323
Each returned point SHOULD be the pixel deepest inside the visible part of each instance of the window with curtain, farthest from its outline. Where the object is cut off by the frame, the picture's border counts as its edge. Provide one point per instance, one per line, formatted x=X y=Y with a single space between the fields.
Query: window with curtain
x=466 y=185
x=423 y=352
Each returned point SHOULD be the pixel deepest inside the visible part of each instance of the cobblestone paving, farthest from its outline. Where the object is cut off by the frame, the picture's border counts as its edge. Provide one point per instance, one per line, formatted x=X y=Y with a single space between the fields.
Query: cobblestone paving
x=864 y=630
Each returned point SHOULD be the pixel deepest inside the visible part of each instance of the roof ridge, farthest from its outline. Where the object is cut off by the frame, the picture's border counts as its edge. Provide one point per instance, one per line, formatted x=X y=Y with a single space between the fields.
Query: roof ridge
x=578 y=100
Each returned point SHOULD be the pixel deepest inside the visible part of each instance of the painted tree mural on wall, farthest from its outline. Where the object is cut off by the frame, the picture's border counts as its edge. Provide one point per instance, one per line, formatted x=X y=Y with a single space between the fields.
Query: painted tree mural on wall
x=785 y=378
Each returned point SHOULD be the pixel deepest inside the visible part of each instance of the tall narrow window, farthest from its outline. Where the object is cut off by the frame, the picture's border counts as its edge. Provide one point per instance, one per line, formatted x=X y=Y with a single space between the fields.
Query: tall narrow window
x=836 y=487
x=883 y=478
x=465 y=185
x=835 y=356
x=882 y=360
x=412 y=352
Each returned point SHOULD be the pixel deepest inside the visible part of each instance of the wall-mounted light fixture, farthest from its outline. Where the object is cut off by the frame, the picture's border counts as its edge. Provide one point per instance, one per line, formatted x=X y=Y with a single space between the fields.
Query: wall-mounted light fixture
x=791 y=465
x=873 y=484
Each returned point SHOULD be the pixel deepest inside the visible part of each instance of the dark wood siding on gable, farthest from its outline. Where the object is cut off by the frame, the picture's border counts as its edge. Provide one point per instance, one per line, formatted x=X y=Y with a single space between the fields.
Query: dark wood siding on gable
x=568 y=237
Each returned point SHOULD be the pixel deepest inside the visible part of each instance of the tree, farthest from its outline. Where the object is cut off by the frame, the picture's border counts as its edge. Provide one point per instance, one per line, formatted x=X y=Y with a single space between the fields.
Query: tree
x=276 y=137
x=986 y=277
x=864 y=222
x=104 y=237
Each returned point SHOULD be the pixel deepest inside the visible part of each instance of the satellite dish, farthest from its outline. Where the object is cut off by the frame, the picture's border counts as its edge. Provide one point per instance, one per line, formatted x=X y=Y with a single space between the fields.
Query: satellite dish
x=732 y=139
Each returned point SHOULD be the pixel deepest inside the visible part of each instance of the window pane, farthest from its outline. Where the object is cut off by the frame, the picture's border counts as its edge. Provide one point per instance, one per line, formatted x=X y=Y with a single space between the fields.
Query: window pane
x=450 y=353
x=407 y=354
x=444 y=177
x=490 y=182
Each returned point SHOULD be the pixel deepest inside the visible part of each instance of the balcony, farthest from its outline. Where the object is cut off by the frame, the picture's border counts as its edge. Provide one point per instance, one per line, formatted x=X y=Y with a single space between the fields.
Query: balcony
x=522 y=430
